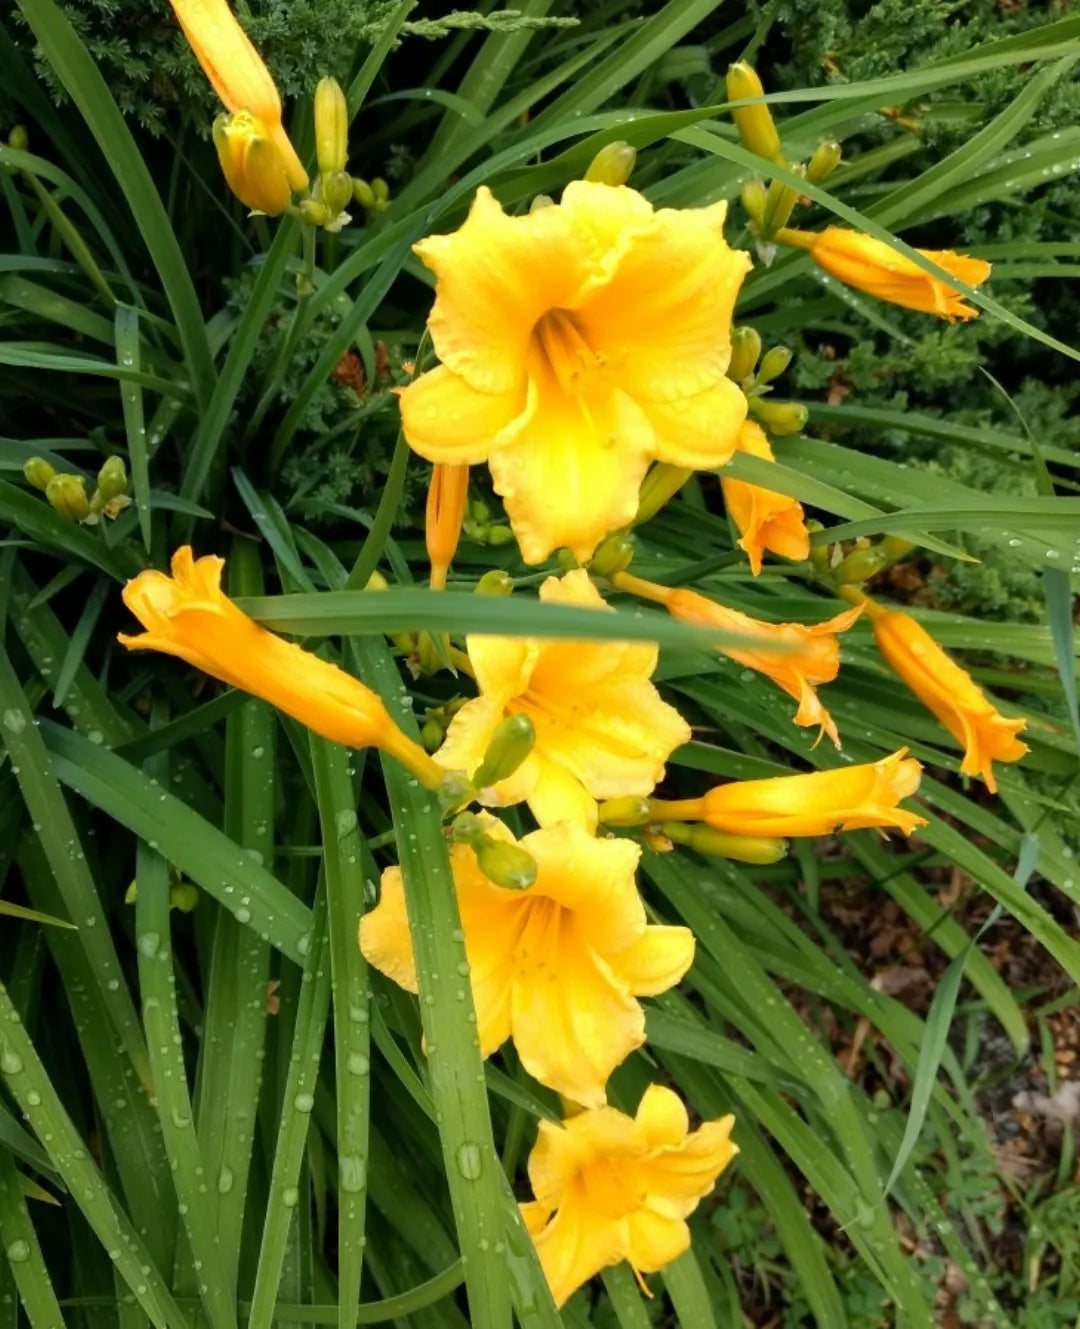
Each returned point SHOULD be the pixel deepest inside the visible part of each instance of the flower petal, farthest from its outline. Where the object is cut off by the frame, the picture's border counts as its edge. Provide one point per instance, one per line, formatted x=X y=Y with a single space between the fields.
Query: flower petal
x=653 y=1240
x=677 y=1177
x=444 y=419
x=594 y=878
x=384 y=934
x=663 y=320
x=572 y=472
x=558 y=795
x=575 y=1246
x=565 y=666
x=662 y=1117
x=496 y=276
x=656 y=961
x=701 y=431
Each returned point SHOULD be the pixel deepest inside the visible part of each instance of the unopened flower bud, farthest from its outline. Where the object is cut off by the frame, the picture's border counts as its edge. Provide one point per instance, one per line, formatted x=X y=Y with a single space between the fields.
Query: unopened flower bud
x=819 y=554
x=541 y=201
x=826 y=159
x=337 y=191
x=760 y=849
x=773 y=363
x=754 y=123
x=613 y=164
x=495 y=582
x=314 y=212
x=661 y=484
x=859 y=566
x=753 y=197
x=377 y=582
x=567 y=560
x=780 y=200
x=455 y=789
x=497 y=536
x=184 y=896
x=745 y=349
x=38 y=472
x=432 y=735
x=67 y=494
x=467 y=828
x=780 y=417
x=630 y=810
x=112 y=478
x=507 y=865
x=252 y=165
x=331 y=127
x=363 y=193
x=614 y=555
x=893 y=547
x=18 y=138
x=381 y=190
x=510 y=744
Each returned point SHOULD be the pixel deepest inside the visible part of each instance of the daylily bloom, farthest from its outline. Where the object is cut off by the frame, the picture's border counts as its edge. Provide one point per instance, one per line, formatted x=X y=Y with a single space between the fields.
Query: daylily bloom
x=251 y=163
x=189 y=616
x=239 y=77
x=811 y=657
x=447 y=496
x=950 y=692
x=557 y=967
x=610 y=1187
x=764 y=518
x=848 y=799
x=602 y=730
x=578 y=343
x=873 y=266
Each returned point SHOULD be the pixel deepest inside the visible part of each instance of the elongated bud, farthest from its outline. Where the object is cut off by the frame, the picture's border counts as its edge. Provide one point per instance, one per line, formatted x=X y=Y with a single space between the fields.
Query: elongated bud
x=893 y=547
x=448 y=494
x=67 y=494
x=754 y=197
x=495 y=582
x=629 y=810
x=38 y=472
x=780 y=203
x=760 y=849
x=819 y=554
x=660 y=486
x=859 y=566
x=773 y=363
x=18 y=138
x=112 y=478
x=827 y=157
x=510 y=744
x=745 y=349
x=363 y=193
x=755 y=124
x=381 y=190
x=780 y=417
x=613 y=164
x=614 y=555
x=252 y=165
x=331 y=126
x=507 y=865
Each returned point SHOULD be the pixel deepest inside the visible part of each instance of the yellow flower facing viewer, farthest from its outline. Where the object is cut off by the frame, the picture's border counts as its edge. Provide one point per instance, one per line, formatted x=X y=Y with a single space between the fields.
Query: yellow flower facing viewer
x=949 y=692
x=764 y=519
x=242 y=81
x=848 y=799
x=610 y=1187
x=874 y=267
x=602 y=730
x=189 y=616
x=557 y=967
x=578 y=343
x=810 y=654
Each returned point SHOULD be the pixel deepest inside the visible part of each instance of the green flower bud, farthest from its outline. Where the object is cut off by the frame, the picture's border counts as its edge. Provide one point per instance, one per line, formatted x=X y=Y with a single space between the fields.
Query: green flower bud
x=38 y=472
x=507 y=865
x=337 y=191
x=381 y=190
x=454 y=790
x=893 y=547
x=662 y=483
x=510 y=744
x=567 y=560
x=498 y=536
x=495 y=582
x=132 y=893
x=753 y=197
x=819 y=554
x=112 y=478
x=184 y=896
x=467 y=828
x=780 y=203
x=629 y=810
x=377 y=582
x=826 y=159
x=67 y=494
x=313 y=212
x=773 y=363
x=541 y=201
x=745 y=349
x=363 y=193
x=432 y=735
x=760 y=849
x=859 y=566
x=18 y=138
x=755 y=124
x=331 y=127
x=613 y=164
x=780 y=417
x=614 y=555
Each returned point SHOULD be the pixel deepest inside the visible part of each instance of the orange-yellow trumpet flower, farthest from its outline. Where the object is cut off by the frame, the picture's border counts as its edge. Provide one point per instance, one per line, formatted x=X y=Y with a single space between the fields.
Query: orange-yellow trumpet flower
x=764 y=519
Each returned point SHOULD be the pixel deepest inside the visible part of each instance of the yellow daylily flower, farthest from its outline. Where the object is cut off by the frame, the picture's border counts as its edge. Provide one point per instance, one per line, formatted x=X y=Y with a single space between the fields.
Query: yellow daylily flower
x=578 y=343
x=949 y=692
x=848 y=799
x=189 y=616
x=251 y=164
x=602 y=730
x=557 y=967
x=611 y=1187
x=764 y=518
x=874 y=267
x=238 y=75
x=810 y=654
